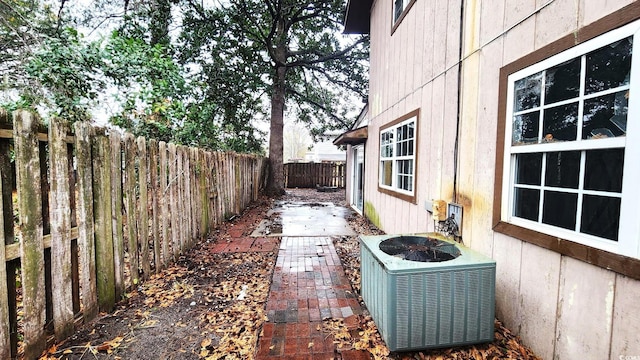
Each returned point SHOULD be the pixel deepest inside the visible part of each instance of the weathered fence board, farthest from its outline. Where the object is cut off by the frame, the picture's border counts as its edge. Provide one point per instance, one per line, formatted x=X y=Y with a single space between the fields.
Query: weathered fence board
x=129 y=192
x=5 y=333
x=153 y=196
x=27 y=153
x=116 y=208
x=105 y=284
x=164 y=205
x=98 y=211
x=143 y=209
x=310 y=175
x=173 y=199
x=86 y=226
x=60 y=218
x=8 y=314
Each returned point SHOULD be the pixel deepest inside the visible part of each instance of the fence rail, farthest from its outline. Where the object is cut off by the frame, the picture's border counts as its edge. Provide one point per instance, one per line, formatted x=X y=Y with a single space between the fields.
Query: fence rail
x=88 y=213
x=310 y=175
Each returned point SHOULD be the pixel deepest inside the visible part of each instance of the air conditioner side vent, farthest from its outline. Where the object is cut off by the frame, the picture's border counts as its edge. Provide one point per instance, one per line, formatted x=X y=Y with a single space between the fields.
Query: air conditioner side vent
x=428 y=306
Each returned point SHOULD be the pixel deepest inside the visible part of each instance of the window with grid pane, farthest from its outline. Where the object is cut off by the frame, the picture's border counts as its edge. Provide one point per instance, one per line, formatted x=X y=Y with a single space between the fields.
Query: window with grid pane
x=571 y=145
x=397 y=156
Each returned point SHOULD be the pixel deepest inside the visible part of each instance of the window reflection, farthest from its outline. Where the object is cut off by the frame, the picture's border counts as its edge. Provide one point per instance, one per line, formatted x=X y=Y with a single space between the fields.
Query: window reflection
x=605 y=116
x=527 y=92
x=562 y=82
x=525 y=128
x=609 y=66
x=561 y=123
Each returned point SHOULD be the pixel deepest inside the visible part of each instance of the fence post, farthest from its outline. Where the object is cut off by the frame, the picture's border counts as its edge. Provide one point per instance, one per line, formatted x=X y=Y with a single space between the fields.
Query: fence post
x=116 y=207
x=25 y=127
x=86 y=228
x=103 y=222
x=60 y=230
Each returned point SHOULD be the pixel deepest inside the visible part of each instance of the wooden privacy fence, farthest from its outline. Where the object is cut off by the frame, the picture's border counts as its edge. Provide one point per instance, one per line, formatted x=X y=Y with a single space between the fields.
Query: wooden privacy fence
x=87 y=214
x=310 y=175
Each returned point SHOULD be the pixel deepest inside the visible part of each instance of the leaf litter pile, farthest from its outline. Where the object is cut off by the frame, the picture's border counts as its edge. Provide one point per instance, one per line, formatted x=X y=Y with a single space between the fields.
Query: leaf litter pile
x=211 y=305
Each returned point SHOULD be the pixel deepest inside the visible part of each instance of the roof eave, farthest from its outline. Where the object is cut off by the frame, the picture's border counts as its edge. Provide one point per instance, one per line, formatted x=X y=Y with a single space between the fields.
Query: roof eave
x=352 y=137
x=357 y=17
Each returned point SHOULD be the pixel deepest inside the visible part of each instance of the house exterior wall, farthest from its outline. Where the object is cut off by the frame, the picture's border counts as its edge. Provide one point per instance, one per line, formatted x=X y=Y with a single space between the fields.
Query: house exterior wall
x=561 y=307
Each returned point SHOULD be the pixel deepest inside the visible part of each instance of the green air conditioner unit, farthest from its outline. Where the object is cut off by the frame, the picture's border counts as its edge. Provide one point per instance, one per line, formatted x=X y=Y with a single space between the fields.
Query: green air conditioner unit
x=420 y=301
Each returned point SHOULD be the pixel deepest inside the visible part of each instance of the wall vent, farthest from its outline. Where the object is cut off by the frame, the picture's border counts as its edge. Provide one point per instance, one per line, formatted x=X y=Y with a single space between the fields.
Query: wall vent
x=422 y=305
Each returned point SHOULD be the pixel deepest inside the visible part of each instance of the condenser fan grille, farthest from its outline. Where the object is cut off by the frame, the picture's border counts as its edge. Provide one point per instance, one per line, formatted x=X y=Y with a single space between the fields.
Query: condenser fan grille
x=419 y=248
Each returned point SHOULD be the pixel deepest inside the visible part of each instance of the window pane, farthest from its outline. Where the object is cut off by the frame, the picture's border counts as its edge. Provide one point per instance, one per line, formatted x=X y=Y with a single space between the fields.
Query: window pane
x=411 y=128
x=562 y=82
x=526 y=203
x=600 y=216
x=559 y=209
x=561 y=123
x=527 y=92
x=397 y=9
x=405 y=167
x=605 y=116
x=528 y=169
x=410 y=148
x=603 y=170
x=609 y=66
x=386 y=170
x=563 y=169
x=525 y=128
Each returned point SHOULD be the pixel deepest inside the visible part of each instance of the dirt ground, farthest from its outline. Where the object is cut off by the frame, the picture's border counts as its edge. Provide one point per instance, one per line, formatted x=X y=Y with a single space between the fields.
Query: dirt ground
x=211 y=304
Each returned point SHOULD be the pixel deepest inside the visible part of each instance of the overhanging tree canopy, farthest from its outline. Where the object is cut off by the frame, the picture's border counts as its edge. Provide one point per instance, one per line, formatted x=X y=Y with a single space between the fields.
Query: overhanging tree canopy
x=291 y=51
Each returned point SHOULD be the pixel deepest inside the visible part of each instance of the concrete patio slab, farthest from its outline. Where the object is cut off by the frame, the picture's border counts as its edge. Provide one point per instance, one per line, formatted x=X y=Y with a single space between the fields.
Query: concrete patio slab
x=305 y=219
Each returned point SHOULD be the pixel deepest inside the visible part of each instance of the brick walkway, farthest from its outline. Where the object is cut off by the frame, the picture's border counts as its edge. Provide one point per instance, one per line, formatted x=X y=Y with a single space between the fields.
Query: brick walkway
x=308 y=285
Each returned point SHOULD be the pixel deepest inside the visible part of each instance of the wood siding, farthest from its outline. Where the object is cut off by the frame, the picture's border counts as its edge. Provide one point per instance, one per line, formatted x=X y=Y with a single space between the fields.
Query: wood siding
x=422 y=65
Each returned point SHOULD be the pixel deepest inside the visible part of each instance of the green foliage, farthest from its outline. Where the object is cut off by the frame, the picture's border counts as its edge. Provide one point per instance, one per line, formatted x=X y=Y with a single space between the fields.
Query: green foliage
x=235 y=46
x=206 y=85
x=69 y=70
x=150 y=87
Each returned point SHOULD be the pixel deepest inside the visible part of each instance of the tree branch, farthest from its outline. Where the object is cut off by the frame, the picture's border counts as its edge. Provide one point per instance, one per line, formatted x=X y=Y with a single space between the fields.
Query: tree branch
x=322 y=57
x=318 y=105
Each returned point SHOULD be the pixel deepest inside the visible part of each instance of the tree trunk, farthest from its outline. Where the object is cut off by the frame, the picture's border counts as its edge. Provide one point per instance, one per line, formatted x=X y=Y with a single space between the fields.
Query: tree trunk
x=275 y=185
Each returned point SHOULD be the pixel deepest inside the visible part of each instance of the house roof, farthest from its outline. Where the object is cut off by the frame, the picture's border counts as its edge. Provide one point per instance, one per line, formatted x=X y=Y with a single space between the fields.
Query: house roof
x=357 y=17
x=352 y=137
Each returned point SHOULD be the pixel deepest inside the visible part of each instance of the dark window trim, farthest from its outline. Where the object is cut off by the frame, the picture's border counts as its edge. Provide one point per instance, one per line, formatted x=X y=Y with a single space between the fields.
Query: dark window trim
x=401 y=196
x=621 y=264
x=394 y=25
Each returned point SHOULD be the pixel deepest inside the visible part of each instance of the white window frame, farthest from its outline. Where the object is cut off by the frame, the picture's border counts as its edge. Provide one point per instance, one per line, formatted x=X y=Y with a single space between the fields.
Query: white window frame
x=628 y=243
x=394 y=158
